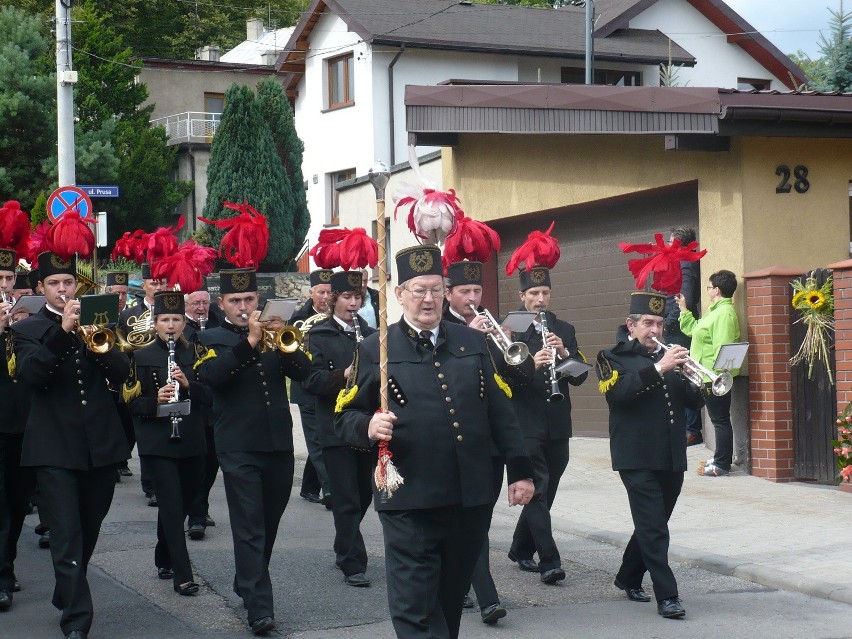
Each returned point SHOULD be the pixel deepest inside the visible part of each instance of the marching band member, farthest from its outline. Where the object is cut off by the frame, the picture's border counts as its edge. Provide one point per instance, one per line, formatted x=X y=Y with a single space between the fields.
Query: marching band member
x=446 y=406
x=118 y=282
x=254 y=433
x=73 y=435
x=332 y=345
x=544 y=406
x=173 y=452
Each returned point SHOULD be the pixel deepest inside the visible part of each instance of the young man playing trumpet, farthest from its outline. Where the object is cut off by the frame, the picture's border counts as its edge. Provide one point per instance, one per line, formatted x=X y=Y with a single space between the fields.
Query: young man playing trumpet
x=73 y=436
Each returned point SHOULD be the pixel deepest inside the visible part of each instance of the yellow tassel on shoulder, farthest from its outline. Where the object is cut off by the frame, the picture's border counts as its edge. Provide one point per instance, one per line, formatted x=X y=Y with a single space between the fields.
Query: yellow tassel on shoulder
x=11 y=364
x=131 y=392
x=210 y=354
x=344 y=397
x=605 y=384
x=503 y=385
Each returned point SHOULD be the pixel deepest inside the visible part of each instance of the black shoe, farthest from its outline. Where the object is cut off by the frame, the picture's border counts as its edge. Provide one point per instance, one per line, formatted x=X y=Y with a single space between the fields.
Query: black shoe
x=551 y=576
x=124 y=471
x=44 y=540
x=262 y=625
x=40 y=529
x=5 y=600
x=491 y=614
x=208 y=522
x=165 y=573
x=188 y=589
x=633 y=594
x=326 y=501
x=196 y=532
x=527 y=565
x=17 y=586
x=359 y=580
x=468 y=602
x=76 y=634
x=152 y=501
x=670 y=608
x=314 y=498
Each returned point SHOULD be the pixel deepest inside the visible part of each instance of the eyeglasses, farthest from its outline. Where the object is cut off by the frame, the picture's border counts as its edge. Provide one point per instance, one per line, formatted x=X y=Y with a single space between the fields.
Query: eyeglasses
x=710 y=287
x=421 y=293
x=199 y=303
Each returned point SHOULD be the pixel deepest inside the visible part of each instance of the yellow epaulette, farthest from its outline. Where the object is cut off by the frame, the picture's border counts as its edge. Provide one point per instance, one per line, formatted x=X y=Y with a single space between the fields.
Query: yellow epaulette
x=503 y=385
x=607 y=375
x=210 y=354
x=345 y=396
x=605 y=384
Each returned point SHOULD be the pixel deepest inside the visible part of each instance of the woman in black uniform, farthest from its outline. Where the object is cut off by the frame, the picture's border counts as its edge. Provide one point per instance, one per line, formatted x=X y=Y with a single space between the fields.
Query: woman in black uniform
x=176 y=464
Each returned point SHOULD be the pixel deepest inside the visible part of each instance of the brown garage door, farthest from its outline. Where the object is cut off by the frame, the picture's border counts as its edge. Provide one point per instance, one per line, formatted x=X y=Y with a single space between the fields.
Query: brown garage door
x=591 y=283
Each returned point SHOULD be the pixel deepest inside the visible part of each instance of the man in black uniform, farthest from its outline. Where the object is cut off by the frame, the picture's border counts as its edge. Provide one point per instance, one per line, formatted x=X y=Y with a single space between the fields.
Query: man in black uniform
x=546 y=424
x=199 y=318
x=73 y=435
x=117 y=282
x=647 y=440
x=445 y=408
x=254 y=434
x=315 y=476
x=16 y=483
x=332 y=347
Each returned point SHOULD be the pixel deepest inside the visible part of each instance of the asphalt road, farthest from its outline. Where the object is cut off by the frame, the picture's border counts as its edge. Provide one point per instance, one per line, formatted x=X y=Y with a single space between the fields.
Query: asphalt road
x=313 y=602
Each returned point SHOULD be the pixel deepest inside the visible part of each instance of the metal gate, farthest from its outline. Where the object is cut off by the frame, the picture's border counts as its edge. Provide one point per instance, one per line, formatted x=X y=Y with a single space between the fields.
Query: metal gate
x=814 y=407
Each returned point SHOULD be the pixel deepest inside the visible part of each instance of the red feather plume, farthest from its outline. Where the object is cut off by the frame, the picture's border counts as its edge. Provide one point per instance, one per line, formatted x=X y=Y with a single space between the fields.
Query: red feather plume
x=348 y=249
x=247 y=241
x=662 y=261
x=471 y=240
x=70 y=235
x=14 y=228
x=540 y=249
x=131 y=246
x=186 y=267
x=37 y=242
x=162 y=242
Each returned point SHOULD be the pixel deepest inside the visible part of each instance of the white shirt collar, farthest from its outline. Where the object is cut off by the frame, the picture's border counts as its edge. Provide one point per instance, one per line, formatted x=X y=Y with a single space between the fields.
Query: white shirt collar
x=346 y=327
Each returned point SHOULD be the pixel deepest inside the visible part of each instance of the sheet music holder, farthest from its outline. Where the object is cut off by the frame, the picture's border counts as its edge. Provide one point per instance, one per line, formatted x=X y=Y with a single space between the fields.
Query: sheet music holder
x=30 y=303
x=518 y=321
x=730 y=356
x=572 y=368
x=282 y=308
x=173 y=408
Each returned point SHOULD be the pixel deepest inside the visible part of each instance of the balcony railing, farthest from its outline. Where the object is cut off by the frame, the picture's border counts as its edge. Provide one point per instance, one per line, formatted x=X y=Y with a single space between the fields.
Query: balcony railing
x=192 y=126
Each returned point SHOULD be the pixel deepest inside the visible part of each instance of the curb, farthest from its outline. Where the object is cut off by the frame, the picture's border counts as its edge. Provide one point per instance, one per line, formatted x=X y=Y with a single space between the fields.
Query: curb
x=768 y=576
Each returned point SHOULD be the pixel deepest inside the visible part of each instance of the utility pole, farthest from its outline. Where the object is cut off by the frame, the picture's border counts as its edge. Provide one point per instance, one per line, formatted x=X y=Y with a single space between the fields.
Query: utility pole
x=66 y=77
x=590 y=42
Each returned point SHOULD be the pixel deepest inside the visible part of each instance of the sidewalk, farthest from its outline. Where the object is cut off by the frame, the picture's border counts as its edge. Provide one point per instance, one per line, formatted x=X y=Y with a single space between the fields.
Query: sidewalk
x=780 y=535
x=784 y=536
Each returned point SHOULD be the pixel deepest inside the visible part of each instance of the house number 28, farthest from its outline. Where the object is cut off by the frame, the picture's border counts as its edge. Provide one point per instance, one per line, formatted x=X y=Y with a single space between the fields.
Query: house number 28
x=799 y=175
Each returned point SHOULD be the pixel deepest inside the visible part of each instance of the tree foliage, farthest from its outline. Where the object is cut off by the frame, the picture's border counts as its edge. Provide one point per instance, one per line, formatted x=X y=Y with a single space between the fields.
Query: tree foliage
x=833 y=70
x=244 y=166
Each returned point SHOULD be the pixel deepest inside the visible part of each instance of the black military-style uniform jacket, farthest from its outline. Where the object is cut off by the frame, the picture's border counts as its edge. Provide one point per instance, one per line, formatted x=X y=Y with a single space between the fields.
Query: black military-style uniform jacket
x=250 y=408
x=332 y=351
x=73 y=421
x=193 y=327
x=449 y=408
x=646 y=417
x=540 y=418
x=298 y=395
x=14 y=397
x=149 y=367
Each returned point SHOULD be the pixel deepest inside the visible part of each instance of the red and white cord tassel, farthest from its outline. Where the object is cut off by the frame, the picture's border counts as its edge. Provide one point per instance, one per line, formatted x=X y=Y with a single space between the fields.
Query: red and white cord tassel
x=387 y=477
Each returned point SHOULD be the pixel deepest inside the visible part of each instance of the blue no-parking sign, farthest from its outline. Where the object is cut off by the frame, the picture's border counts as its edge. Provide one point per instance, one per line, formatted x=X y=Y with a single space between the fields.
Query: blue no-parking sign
x=68 y=198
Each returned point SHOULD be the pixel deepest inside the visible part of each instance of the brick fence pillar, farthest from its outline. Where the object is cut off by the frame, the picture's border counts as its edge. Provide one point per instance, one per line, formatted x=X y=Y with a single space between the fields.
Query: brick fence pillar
x=843 y=331
x=770 y=384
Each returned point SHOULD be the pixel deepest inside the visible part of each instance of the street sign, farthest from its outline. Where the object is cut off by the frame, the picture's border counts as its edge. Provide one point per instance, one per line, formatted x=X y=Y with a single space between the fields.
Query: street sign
x=68 y=198
x=99 y=190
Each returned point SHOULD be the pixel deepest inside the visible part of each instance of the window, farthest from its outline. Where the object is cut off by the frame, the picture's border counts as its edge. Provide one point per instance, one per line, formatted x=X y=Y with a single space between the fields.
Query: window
x=577 y=75
x=750 y=84
x=334 y=180
x=214 y=105
x=341 y=82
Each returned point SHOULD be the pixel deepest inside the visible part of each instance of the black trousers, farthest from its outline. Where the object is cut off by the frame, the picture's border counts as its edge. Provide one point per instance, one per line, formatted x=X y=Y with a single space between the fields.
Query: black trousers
x=719 y=411
x=199 y=509
x=126 y=423
x=481 y=580
x=429 y=559
x=73 y=503
x=317 y=467
x=652 y=495
x=533 y=531
x=257 y=487
x=350 y=472
x=16 y=486
x=176 y=484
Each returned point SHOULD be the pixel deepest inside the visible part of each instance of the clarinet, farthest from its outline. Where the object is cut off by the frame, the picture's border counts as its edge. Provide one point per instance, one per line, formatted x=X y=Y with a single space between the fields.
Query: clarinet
x=358 y=336
x=175 y=436
x=202 y=322
x=555 y=394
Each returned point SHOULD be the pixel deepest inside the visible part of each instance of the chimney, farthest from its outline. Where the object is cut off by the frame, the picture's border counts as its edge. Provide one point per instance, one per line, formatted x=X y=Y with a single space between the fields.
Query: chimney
x=269 y=58
x=209 y=52
x=254 y=29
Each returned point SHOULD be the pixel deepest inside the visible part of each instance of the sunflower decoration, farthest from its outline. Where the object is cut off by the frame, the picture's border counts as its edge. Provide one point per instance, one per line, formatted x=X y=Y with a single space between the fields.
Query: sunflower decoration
x=815 y=302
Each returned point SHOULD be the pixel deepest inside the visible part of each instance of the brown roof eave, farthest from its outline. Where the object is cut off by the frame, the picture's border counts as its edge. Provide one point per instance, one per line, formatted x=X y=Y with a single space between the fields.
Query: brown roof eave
x=740 y=113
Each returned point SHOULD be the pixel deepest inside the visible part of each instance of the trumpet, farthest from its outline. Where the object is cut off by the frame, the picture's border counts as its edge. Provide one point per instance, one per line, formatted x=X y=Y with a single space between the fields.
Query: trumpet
x=286 y=339
x=513 y=352
x=555 y=394
x=694 y=372
x=97 y=339
x=172 y=364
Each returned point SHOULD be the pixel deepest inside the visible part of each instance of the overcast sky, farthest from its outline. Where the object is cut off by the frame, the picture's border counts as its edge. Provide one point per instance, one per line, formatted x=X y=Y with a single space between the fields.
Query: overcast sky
x=790 y=24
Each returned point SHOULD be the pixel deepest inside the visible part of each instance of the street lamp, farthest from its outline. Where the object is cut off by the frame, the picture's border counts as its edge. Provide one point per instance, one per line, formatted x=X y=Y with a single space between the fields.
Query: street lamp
x=590 y=39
